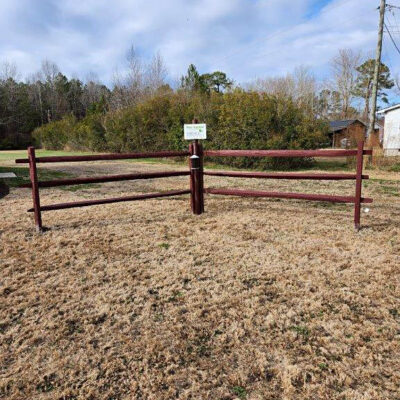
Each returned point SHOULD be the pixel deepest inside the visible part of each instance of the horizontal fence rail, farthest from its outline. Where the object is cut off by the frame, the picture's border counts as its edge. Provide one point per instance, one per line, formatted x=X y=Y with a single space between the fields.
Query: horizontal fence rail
x=100 y=157
x=283 y=175
x=106 y=178
x=196 y=173
x=283 y=153
x=283 y=195
x=86 y=203
x=35 y=184
x=357 y=200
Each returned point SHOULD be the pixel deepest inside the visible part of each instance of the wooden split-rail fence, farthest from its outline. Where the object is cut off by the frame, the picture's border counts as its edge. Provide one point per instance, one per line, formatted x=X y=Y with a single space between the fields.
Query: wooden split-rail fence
x=196 y=173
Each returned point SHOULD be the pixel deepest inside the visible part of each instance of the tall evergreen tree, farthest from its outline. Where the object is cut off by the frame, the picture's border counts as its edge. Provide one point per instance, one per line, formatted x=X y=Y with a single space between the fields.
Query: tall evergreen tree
x=193 y=81
x=363 y=86
x=217 y=81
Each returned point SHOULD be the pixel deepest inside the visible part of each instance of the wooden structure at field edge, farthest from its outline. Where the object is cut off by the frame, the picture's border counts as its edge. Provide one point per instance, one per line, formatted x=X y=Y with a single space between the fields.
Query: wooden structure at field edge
x=36 y=184
x=351 y=131
x=358 y=176
x=196 y=173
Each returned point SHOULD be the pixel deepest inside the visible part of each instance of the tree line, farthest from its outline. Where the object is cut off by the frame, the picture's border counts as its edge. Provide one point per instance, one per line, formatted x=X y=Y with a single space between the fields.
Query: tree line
x=144 y=110
x=346 y=94
x=46 y=96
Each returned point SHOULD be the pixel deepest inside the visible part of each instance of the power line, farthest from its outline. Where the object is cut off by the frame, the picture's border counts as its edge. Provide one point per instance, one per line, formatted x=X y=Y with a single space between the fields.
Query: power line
x=387 y=57
x=391 y=37
x=394 y=27
x=391 y=6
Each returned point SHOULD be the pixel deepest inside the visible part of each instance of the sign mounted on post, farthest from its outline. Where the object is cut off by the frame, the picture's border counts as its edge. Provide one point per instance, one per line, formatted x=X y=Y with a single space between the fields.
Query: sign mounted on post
x=195 y=131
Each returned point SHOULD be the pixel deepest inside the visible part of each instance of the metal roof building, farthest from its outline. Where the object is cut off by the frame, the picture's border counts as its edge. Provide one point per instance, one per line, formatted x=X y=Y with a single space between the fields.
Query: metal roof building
x=335 y=126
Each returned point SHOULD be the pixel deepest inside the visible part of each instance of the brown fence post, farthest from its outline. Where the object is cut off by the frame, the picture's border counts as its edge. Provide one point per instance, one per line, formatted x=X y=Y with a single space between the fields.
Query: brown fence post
x=196 y=178
x=192 y=193
x=359 y=168
x=35 y=188
x=201 y=178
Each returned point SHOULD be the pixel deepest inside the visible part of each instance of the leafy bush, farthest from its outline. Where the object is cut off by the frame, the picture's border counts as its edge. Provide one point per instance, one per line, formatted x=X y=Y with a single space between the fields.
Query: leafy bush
x=55 y=135
x=249 y=120
x=236 y=120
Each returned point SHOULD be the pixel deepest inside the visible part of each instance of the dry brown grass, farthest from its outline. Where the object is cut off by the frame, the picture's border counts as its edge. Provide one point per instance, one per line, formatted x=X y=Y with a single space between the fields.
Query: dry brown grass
x=256 y=299
x=380 y=161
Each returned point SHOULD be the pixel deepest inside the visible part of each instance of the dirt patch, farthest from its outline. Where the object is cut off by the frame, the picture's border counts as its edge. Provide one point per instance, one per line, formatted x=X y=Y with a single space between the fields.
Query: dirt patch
x=255 y=299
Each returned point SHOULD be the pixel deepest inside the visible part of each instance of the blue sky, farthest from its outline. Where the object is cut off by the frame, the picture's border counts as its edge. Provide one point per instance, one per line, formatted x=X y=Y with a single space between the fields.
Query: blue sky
x=244 y=38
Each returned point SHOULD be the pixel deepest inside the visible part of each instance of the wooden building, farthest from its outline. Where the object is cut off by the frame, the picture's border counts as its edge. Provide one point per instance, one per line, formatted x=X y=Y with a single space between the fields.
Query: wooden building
x=346 y=133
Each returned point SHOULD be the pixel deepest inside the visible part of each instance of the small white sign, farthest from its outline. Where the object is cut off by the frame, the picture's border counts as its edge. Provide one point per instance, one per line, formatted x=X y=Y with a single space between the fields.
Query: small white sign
x=195 y=131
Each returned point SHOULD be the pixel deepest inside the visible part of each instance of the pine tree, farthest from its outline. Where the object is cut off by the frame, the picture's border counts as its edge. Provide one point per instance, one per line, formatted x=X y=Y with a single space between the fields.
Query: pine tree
x=363 y=87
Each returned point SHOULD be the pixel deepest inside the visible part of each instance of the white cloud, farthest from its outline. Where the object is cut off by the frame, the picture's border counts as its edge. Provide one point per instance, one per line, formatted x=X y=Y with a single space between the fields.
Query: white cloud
x=244 y=38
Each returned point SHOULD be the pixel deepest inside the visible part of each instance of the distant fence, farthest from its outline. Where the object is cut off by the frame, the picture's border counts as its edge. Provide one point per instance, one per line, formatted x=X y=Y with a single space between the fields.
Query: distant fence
x=196 y=173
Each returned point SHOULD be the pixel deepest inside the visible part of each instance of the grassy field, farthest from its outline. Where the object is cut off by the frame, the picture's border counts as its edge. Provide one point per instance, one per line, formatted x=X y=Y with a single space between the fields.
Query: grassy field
x=11 y=155
x=255 y=299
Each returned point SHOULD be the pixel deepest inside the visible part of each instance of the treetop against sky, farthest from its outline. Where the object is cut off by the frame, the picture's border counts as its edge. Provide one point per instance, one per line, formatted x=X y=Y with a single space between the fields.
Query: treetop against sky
x=244 y=38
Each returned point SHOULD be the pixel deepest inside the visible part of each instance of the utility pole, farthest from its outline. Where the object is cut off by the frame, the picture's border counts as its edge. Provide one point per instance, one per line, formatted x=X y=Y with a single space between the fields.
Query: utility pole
x=371 y=124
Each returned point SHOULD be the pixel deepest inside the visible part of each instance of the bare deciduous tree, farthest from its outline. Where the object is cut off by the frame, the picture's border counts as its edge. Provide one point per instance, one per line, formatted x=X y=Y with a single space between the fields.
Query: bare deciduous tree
x=140 y=80
x=300 y=86
x=93 y=90
x=49 y=72
x=305 y=86
x=8 y=71
x=344 y=75
x=134 y=81
x=35 y=92
x=156 y=73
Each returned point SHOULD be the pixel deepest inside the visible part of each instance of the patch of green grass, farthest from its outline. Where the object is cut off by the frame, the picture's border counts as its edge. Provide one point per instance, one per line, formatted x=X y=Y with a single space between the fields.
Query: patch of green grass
x=175 y=296
x=159 y=317
x=174 y=161
x=327 y=204
x=23 y=175
x=301 y=330
x=43 y=175
x=395 y=167
x=164 y=245
x=240 y=392
x=323 y=366
x=47 y=384
x=393 y=312
x=322 y=165
x=76 y=188
x=213 y=165
x=389 y=190
x=385 y=186
x=332 y=165
x=11 y=155
x=383 y=181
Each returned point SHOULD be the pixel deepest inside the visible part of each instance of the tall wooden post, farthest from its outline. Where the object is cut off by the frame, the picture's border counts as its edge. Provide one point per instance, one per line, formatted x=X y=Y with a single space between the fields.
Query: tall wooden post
x=198 y=150
x=359 y=168
x=196 y=178
x=192 y=193
x=375 y=78
x=35 y=189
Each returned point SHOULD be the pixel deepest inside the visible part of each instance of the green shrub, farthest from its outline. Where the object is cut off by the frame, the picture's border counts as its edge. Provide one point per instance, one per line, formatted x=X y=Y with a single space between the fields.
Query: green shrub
x=235 y=120
x=55 y=135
